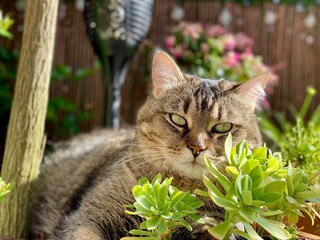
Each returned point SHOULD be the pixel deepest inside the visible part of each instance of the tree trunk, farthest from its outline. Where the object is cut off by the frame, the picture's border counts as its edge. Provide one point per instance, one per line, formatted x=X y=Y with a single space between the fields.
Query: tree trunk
x=23 y=150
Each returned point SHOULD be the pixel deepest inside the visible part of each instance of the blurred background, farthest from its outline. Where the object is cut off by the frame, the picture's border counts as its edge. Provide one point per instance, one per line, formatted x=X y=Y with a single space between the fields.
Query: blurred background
x=232 y=39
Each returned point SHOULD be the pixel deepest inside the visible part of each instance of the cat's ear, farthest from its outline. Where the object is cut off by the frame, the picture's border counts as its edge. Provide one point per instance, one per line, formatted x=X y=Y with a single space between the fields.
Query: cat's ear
x=165 y=73
x=252 y=91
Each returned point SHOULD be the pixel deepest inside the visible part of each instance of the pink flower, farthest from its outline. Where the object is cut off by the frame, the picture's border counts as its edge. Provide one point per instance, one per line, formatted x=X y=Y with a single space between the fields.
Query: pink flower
x=176 y=52
x=228 y=41
x=231 y=59
x=265 y=104
x=247 y=53
x=215 y=31
x=205 y=47
x=243 y=41
x=194 y=30
x=170 y=41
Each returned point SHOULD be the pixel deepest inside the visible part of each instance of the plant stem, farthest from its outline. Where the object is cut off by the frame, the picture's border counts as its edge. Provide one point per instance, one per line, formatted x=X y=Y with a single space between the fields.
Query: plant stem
x=306 y=103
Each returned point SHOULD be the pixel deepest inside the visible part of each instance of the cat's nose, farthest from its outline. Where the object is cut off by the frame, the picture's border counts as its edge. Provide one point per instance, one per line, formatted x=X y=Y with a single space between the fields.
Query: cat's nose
x=196 y=149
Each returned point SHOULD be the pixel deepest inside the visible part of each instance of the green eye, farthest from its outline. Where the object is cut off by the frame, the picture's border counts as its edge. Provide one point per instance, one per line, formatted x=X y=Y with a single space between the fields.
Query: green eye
x=178 y=120
x=222 y=127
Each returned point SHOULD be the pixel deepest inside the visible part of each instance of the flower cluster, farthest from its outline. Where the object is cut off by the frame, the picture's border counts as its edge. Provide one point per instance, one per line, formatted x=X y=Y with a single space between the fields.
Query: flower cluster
x=211 y=51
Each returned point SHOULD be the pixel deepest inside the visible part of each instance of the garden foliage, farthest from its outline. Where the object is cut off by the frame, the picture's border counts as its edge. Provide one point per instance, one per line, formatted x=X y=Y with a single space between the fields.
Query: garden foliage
x=259 y=191
x=163 y=208
x=211 y=51
x=298 y=141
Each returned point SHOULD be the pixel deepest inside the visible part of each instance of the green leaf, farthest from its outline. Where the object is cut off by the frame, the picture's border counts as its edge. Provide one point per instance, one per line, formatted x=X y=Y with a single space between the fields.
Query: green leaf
x=228 y=146
x=247 y=198
x=156 y=191
x=153 y=222
x=245 y=215
x=271 y=213
x=246 y=182
x=296 y=178
x=301 y=187
x=201 y=193
x=256 y=176
x=163 y=193
x=177 y=215
x=257 y=193
x=5 y=33
x=162 y=229
x=242 y=150
x=144 y=201
x=290 y=185
x=197 y=204
x=142 y=210
x=250 y=165
x=229 y=205
x=260 y=152
x=271 y=197
x=306 y=195
x=211 y=186
x=275 y=228
x=185 y=224
x=140 y=232
x=223 y=180
x=177 y=198
x=241 y=234
x=251 y=232
x=222 y=230
x=156 y=179
x=143 y=181
x=275 y=186
x=155 y=210
x=167 y=215
x=233 y=171
x=139 y=238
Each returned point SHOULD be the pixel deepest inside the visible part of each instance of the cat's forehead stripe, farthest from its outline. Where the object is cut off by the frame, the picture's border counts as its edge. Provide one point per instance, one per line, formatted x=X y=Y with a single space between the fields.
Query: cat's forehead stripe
x=220 y=109
x=186 y=104
x=205 y=95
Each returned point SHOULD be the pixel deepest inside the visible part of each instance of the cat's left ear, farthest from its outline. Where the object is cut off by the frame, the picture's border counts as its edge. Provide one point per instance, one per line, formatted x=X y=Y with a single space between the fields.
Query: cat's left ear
x=165 y=73
x=252 y=91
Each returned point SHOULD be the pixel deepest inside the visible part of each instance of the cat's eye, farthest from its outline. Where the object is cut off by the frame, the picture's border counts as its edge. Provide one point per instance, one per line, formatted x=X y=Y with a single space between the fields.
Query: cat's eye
x=222 y=127
x=178 y=120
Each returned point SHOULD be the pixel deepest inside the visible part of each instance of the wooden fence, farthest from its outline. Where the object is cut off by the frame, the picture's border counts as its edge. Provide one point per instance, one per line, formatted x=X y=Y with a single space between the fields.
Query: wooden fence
x=288 y=43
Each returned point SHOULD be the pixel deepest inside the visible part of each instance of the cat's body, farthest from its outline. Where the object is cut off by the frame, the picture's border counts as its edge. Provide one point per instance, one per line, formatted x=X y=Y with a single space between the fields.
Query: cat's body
x=81 y=194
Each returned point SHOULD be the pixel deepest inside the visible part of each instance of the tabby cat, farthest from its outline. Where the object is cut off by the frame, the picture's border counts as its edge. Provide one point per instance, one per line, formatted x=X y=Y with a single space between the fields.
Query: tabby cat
x=82 y=189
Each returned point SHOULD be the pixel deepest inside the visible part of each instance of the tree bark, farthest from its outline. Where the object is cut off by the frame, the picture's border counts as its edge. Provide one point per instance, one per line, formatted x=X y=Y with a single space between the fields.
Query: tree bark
x=23 y=150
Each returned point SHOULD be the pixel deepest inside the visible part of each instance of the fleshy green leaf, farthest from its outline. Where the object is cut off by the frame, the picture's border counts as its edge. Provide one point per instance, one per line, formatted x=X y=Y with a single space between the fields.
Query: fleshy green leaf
x=222 y=230
x=228 y=146
x=251 y=232
x=223 y=180
x=275 y=186
x=153 y=222
x=247 y=197
x=223 y=202
x=275 y=228
x=260 y=152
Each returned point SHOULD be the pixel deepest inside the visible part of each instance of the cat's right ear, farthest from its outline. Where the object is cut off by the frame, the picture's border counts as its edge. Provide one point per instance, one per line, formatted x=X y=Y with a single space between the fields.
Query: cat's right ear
x=165 y=73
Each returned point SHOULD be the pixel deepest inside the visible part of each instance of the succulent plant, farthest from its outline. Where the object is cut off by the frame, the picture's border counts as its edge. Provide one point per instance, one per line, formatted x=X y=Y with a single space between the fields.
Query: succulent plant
x=260 y=192
x=163 y=208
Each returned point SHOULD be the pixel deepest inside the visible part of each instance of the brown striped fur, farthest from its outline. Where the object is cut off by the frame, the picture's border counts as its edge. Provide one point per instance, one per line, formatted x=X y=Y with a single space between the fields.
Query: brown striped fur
x=83 y=187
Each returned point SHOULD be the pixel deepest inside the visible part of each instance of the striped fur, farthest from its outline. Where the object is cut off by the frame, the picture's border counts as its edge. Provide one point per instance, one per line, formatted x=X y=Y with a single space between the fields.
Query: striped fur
x=83 y=186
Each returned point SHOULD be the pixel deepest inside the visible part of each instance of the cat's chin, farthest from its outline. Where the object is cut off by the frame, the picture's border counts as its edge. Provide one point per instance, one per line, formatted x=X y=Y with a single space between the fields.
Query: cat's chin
x=185 y=165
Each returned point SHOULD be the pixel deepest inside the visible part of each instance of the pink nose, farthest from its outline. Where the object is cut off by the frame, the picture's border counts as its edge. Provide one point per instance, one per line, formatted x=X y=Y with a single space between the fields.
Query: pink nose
x=196 y=149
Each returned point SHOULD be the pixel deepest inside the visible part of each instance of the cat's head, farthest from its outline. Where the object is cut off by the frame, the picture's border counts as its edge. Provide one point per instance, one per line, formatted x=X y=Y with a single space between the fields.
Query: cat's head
x=187 y=117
